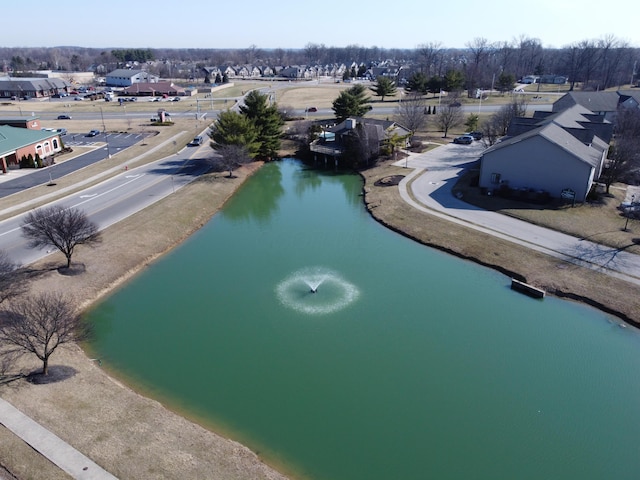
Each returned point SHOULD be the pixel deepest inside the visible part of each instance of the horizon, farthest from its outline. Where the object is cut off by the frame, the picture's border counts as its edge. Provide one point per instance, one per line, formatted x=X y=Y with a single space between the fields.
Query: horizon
x=289 y=25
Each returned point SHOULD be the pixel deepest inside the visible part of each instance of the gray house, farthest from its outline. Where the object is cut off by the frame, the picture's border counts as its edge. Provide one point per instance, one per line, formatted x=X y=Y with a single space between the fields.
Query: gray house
x=559 y=155
x=602 y=103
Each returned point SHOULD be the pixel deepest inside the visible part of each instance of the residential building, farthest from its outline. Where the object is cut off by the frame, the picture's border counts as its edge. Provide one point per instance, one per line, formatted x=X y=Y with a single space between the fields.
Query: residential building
x=554 y=155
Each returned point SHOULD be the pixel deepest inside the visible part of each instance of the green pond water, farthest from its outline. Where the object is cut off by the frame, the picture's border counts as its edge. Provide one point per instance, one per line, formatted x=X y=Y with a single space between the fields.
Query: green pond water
x=405 y=364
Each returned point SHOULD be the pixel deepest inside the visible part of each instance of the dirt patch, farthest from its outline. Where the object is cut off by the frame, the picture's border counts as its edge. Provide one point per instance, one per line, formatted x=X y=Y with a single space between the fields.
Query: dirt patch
x=390 y=181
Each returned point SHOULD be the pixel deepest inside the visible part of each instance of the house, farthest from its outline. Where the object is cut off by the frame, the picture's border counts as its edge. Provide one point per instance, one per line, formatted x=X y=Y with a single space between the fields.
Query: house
x=153 y=89
x=17 y=142
x=124 y=77
x=602 y=103
x=23 y=87
x=364 y=134
x=554 y=156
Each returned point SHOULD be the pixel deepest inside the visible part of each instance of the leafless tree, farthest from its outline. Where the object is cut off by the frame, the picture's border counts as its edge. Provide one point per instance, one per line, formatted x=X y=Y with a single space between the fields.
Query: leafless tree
x=624 y=156
x=430 y=58
x=10 y=286
x=449 y=116
x=410 y=112
x=503 y=117
x=232 y=156
x=38 y=324
x=62 y=228
x=496 y=126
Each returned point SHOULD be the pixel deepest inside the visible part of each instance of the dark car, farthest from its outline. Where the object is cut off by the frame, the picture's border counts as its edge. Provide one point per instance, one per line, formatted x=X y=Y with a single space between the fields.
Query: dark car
x=93 y=133
x=475 y=134
x=464 y=140
x=312 y=109
x=64 y=117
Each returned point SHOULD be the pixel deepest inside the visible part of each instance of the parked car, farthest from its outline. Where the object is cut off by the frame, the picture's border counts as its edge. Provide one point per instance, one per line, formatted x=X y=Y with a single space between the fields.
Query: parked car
x=62 y=131
x=477 y=135
x=463 y=140
x=93 y=133
x=176 y=99
x=196 y=142
x=312 y=109
x=64 y=117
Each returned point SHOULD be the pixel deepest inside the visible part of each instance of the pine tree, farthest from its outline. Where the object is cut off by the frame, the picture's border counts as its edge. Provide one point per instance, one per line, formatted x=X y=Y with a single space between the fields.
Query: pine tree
x=384 y=87
x=267 y=122
x=231 y=128
x=351 y=103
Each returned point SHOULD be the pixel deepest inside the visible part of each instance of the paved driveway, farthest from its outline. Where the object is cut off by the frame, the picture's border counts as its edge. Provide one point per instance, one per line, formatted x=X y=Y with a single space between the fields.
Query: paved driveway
x=436 y=172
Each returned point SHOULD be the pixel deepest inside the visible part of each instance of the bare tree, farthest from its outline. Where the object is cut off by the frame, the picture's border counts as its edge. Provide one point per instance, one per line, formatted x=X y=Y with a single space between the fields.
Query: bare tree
x=62 y=228
x=10 y=286
x=624 y=156
x=232 y=156
x=38 y=324
x=449 y=116
x=496 y=126
x=410 y=112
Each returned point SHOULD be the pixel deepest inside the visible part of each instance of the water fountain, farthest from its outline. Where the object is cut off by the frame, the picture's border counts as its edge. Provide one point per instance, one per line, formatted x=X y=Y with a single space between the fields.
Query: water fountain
x=336 y=294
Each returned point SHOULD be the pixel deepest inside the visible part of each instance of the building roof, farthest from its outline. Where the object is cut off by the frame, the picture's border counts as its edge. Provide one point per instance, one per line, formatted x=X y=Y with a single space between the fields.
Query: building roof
x=13 y=138
x=124 y=73
x=16 y=84
x=153 y=88
x=554 y=133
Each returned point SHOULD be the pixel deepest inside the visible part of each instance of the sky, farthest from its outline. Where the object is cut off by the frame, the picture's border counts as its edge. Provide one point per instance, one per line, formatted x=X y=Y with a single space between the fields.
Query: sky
x=290 y=24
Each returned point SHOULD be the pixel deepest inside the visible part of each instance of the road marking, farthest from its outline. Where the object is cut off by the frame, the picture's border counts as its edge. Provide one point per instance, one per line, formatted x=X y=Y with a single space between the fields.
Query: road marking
x=88 y=196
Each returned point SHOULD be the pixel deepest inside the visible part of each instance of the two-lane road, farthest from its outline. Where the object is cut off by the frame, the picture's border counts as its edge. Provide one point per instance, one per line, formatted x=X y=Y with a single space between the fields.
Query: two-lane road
x=116 y=198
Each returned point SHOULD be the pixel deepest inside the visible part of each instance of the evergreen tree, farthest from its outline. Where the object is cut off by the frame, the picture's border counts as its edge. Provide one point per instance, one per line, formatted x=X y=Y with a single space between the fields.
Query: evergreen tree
x=417 y=83
x=218 y=78
x=351 y=103
x=434 y=84
x=231 y=128
x=384 y=87
x=453 y=81
x=267 y=122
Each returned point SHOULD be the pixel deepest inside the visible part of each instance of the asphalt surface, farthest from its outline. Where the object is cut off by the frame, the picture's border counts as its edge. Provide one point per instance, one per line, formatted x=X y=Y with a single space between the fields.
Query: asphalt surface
x=433 y=176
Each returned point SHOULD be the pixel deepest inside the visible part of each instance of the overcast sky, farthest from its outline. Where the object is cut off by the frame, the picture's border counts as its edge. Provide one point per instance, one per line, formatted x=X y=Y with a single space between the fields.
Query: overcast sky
x=294 y=24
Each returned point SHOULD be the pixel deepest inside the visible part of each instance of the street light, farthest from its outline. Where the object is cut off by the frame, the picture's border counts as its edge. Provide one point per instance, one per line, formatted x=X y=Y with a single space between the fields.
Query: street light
x=104 y=130
x=630 y=206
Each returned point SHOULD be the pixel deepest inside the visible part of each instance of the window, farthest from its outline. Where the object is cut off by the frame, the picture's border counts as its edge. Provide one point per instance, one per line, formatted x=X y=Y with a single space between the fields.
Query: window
x=495 y=178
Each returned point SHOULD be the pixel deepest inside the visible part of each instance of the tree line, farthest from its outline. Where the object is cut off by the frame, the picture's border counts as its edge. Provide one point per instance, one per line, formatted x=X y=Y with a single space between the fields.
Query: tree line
x=593 y=63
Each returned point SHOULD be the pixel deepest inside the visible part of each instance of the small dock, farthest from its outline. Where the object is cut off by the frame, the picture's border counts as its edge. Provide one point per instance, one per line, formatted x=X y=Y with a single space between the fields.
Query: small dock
x=527 y=289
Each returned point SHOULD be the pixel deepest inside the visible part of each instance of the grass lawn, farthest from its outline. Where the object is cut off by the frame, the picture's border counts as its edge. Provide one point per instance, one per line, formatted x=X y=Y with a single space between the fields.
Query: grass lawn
x=599 y=221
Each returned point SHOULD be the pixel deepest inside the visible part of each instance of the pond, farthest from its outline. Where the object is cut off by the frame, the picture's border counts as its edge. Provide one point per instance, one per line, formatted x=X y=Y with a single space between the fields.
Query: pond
x=337 y=349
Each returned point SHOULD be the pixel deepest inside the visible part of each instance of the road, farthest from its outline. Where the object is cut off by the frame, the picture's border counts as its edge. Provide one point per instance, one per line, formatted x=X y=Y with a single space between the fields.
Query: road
x=436 y=172
x=116 y=198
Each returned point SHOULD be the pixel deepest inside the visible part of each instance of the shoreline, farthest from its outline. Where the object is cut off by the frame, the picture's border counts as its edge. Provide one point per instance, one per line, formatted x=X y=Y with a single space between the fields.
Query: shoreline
x=103 y=414
x=601 y=291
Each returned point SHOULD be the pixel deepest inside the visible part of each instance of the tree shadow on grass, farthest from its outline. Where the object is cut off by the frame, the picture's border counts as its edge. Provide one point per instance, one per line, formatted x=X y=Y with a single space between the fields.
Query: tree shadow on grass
x=73 y=270
x=57 y=373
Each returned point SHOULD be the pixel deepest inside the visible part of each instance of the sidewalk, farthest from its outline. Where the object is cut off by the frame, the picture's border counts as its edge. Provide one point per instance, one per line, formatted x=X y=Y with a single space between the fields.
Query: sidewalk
x=432 y=179
x=49 y=445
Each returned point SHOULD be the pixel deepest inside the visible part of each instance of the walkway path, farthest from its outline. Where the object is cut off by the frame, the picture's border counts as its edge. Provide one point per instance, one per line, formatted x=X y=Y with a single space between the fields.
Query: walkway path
x=52 y=447
x=434 y=175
